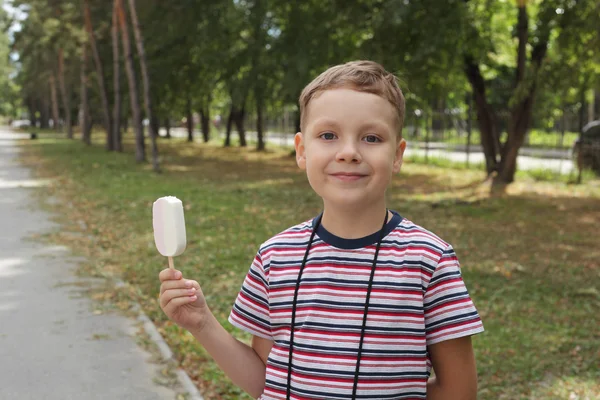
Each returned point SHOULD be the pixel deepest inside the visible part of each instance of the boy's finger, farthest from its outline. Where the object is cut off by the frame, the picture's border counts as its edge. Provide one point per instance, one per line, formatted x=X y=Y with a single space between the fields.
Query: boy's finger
x=169 y=274
x=176 y=302
x=172 y=294
x=178 y=284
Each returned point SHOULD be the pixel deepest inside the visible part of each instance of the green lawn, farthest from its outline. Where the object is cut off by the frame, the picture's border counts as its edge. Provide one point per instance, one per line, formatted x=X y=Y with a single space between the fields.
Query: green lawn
x=529 y=257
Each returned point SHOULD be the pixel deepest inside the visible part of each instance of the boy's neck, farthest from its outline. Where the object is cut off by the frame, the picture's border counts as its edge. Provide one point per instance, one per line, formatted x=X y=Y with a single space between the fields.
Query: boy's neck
x=353 y=223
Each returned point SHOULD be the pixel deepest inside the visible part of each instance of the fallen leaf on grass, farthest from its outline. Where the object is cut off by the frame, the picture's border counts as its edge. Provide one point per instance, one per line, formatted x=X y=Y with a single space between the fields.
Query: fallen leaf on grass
x=591 y=291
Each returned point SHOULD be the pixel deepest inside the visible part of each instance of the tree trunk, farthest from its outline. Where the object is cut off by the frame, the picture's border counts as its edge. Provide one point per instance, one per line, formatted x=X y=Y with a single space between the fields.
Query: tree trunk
x=260 y=145
x=469 y=124
x=140 y=149
x=520 y=119
x=190 y=119
x=64 y=94
x=582 y=108
x=85 y=110
x=116 y=128
x=485 y=115
x=168 y=127
x=205 y=123
x=45 y=113
x=139 y=41
x=228 y=128
x=239 y=124
x=155 y=125
x=521 y=113
x=54 y=98
x=99 y=76
x=31 y=107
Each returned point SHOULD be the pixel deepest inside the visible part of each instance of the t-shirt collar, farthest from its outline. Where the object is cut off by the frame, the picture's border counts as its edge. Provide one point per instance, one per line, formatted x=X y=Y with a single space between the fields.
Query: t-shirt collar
x=365 y=241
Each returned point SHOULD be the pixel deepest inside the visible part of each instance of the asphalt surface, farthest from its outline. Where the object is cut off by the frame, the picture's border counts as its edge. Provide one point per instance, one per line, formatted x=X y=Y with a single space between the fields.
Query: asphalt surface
x=52 y=344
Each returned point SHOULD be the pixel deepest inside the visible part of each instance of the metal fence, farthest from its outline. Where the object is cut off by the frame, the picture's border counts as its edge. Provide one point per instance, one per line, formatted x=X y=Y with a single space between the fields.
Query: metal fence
x=451 y=137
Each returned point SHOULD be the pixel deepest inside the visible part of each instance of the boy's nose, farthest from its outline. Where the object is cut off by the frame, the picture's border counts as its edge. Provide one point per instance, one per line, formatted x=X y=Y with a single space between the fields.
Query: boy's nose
x=348 y=152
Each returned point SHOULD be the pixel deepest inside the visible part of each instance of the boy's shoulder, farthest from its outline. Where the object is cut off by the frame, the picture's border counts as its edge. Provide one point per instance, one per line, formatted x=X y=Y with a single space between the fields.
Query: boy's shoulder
x=294 y=235
x=408 y=231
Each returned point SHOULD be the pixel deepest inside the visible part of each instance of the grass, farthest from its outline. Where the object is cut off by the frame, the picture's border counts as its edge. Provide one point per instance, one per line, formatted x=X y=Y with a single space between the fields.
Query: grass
x=529 y=257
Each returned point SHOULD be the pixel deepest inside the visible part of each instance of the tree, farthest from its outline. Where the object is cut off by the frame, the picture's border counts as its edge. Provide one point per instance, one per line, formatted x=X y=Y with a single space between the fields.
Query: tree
x=65 y=94
x=146 y=82
x=140 y=149
x=84 y=107
x=114 y=30
x=9 y=90
x=550 y=17
x=110 y=145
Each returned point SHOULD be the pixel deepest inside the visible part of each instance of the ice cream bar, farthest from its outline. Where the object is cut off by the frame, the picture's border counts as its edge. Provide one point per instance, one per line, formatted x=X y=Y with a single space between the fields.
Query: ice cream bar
x=169 y=226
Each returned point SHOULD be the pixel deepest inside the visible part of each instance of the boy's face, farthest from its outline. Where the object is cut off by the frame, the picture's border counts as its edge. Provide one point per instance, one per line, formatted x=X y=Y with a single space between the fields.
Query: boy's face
x=349 y=147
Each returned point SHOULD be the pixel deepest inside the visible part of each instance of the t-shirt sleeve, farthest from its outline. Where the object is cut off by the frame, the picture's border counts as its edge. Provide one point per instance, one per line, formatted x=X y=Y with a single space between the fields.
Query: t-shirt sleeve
x=250 y=311
x=449 y=310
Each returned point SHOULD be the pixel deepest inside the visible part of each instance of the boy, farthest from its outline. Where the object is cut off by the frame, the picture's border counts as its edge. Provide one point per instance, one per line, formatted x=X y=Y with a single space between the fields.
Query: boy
x=375 y=300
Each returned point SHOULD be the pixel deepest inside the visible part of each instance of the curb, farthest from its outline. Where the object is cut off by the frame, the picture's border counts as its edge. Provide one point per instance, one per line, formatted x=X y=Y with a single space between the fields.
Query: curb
x=165 y=350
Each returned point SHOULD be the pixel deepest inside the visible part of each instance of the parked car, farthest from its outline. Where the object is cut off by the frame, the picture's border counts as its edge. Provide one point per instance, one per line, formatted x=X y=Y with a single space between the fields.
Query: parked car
x=20 y=123
x=586 y=149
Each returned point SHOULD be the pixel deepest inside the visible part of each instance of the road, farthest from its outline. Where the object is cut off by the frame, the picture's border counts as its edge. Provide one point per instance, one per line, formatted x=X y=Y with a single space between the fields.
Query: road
x=53 y=346
x=555 y=160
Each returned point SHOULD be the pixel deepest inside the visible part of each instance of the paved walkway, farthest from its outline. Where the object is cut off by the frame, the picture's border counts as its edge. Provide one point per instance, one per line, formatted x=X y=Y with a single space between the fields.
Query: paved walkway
x=52 y=345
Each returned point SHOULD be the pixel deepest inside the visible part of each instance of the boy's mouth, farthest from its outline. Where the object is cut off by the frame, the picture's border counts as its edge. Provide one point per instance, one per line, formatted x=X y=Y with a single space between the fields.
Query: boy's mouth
x=348 y=176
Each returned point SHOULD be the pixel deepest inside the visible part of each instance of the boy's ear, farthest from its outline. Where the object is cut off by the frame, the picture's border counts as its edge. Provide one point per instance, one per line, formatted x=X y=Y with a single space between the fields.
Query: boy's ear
x=399 y=158
x=300 y=150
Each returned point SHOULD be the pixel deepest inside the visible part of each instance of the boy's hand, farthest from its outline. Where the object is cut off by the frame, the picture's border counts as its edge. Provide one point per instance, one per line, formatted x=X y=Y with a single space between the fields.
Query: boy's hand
x=182 y=300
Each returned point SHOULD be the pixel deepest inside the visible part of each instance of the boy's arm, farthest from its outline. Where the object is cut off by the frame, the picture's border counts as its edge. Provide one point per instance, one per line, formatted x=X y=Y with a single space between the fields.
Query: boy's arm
x=455 y=372
x=243 y=364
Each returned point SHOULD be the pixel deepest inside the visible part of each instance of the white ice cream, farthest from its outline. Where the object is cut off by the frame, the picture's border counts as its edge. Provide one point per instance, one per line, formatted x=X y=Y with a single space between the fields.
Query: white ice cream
x=169 y=226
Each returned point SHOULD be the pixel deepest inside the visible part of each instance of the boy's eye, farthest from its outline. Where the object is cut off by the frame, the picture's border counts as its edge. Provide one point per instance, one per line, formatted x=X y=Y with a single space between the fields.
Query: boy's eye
x=327 y=136
x=372 y=139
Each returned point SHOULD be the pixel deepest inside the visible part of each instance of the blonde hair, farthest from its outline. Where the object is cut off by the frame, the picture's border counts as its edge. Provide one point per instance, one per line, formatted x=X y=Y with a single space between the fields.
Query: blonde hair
x=362 y=76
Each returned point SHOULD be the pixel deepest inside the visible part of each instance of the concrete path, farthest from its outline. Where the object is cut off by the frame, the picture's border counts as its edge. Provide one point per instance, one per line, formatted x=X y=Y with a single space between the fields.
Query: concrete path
x=52 y=344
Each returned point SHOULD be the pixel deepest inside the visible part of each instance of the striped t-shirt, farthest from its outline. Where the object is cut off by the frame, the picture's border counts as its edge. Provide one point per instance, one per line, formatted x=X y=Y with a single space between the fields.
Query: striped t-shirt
x=418 y=298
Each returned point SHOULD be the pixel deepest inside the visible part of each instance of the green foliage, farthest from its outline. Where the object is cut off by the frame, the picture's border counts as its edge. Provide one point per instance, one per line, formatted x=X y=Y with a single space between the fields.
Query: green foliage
x=220 y=53
x=9 y=90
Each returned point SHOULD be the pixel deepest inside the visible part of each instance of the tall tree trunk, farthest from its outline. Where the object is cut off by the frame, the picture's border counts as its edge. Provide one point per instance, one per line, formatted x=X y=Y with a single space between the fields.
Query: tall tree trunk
x=168 y=127
x=521 y=113
x=31 y=107
x=485 y=115
x=99 y=76
x=114 y=30
x=156 y=125
x=45 y=112
x=140 y=149
x=139 y=41
x=66 y=98
x=85 y=110
x=228 y=128
x=205 y=123
x=239 y=124
x=260 y=145
x=54 y=98
x=582 y=108
x=190 y=119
